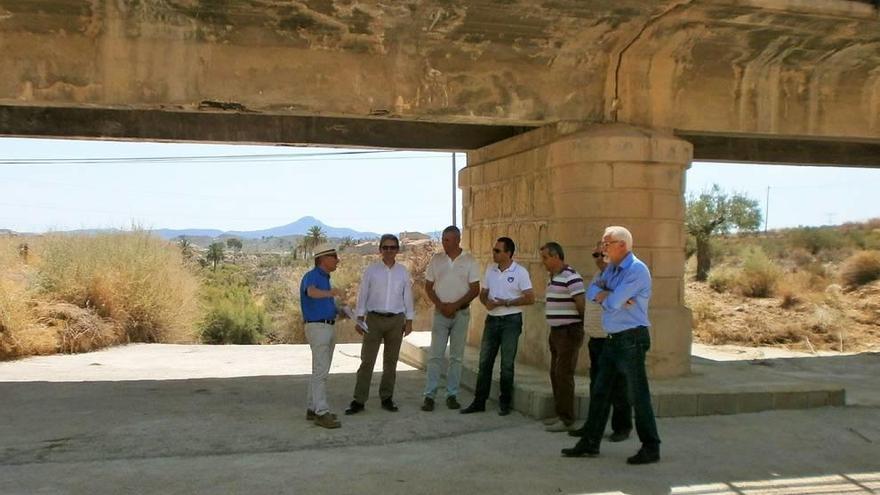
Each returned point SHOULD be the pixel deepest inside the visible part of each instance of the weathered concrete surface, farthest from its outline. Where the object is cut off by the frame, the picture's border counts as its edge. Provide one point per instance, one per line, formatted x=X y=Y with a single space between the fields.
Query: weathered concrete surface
x=751 y=68
x=731 y=386
x=566 y=183
x=246 y=435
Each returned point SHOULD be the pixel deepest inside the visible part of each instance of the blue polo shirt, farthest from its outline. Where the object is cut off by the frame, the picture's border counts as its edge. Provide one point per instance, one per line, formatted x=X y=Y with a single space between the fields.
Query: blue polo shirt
x=316 y=309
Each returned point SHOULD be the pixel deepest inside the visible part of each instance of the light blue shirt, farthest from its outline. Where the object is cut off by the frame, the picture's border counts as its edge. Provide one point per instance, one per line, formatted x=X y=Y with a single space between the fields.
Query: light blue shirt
x=631 y=279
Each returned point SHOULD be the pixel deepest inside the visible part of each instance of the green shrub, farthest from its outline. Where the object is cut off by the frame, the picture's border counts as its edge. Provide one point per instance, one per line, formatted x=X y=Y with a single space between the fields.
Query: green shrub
x=722 y=279
x=861 y=268
x=232 y=317
x=758 y=275
x=816 y=239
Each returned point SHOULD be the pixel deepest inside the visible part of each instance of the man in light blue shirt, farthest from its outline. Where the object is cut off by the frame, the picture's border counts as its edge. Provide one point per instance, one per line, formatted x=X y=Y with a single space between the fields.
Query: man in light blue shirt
x=623 y=291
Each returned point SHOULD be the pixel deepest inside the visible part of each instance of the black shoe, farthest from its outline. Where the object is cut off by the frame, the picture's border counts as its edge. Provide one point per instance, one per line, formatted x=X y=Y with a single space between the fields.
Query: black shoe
x=618 y=436
x=428 y=405
x=354 y=408
x=580 y=432
x=452 y=403
x=504 y=409
x=644 y=456
x=389 y=405
x=473 y=408
x=581 y=449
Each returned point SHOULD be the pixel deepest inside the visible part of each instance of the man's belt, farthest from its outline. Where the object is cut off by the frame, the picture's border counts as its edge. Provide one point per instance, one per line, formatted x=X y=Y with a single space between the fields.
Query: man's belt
x=384 y=314
x=328 y=322
x=627 y=332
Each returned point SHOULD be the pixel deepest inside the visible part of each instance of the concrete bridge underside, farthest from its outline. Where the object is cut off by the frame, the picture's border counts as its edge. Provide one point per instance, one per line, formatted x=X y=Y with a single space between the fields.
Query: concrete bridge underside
x=576 y=114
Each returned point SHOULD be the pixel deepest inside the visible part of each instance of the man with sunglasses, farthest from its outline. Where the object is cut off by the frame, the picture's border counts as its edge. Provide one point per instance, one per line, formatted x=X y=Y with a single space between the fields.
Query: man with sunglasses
x=319 y=312
x=506 y=288
x=385 y=314
x=452 y=281
x=623 y=293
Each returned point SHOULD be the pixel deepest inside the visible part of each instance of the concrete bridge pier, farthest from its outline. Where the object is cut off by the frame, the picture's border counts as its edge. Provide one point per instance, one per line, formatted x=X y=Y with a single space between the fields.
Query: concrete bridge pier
x=566 y=182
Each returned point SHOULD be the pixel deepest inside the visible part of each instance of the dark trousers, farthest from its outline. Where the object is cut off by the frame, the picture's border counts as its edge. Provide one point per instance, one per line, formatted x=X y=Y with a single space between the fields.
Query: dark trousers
x=565 y=345
x=387 y=330
x=499 y=332
x=621 y=416
x=624 y=355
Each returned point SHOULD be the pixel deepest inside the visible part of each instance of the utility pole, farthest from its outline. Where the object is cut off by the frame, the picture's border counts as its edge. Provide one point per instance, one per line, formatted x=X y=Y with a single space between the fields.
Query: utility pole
x=454 y=198
x=767 y=210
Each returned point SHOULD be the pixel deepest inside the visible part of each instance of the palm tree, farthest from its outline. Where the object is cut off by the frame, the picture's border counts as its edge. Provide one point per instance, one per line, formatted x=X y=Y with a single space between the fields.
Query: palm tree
x=215 y=254
x=314 y=237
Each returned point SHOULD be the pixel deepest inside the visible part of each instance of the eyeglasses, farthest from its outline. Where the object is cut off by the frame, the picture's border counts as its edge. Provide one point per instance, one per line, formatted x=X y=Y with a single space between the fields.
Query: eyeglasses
x=597 y=255
x=608 y=243
x=389 y=248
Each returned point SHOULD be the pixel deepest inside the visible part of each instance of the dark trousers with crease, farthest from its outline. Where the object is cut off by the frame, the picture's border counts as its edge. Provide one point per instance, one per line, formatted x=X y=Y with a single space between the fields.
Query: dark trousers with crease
x=621 y=415
x=499 y=333
x=565 y=345
x=623 y=354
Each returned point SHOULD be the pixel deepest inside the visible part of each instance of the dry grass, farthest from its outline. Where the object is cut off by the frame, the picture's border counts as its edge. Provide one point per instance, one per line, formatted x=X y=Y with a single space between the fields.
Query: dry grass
x=860 y=268
x=133 y=278
x=80 y=293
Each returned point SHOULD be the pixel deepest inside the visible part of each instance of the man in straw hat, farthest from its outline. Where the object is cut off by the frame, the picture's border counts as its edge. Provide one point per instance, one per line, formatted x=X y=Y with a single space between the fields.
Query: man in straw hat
x=319 y=312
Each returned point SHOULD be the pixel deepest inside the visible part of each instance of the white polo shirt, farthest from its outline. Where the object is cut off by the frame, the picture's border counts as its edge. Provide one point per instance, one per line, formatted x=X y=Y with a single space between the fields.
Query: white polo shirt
x=507 y=284
x=452 y=278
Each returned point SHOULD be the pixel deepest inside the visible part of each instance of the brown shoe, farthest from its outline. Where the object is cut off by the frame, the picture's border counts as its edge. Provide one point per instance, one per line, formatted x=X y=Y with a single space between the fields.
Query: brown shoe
x=310 y=415
x=327 y=420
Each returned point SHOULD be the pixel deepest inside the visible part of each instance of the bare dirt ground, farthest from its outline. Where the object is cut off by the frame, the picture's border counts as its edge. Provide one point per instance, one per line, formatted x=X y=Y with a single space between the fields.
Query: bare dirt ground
x=835 y=319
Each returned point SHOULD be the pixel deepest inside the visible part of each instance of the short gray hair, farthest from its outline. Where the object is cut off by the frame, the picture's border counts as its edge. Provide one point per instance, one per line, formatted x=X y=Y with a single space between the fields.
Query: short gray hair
x=619 y=233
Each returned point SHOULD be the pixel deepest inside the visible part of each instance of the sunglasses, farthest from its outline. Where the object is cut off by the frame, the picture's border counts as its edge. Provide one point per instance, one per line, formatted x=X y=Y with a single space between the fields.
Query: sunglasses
x=597 y=255
x=389 y=248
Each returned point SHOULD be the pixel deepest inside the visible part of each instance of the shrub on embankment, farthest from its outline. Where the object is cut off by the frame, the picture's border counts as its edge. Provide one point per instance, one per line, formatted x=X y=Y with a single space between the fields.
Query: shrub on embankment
x=77 y=293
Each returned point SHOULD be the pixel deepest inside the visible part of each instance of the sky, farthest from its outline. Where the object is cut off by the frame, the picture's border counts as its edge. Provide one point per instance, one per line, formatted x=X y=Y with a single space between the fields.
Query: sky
x=68 y=184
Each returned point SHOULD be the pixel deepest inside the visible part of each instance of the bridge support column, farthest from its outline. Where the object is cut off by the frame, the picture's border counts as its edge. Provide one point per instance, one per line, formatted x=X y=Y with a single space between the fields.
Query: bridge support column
x=566 y=183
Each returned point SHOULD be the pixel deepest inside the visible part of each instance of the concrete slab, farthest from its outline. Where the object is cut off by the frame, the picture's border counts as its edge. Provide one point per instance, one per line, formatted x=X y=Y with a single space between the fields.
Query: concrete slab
x=726 y=386
x=87 y=434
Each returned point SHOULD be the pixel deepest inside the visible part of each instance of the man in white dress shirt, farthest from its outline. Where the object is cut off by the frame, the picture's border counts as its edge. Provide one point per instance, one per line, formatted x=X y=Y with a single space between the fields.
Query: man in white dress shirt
x=506 y=288
x=452 y=281
x=385 y=304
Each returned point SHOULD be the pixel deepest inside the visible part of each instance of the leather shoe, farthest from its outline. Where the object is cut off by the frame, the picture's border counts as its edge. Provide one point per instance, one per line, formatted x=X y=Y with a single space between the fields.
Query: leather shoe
x=310 y=415
x=580 y=432
x=428 y=405
x=354 y=408
x=644 y=456
x=473 y=408
x=452 y=403
x=504 y=410
x=581 y=449
x=389 y=405
x=618 y=436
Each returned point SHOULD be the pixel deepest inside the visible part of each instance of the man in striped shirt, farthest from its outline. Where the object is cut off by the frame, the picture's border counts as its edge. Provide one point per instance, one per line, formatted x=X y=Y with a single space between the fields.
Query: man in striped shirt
x=564 y=310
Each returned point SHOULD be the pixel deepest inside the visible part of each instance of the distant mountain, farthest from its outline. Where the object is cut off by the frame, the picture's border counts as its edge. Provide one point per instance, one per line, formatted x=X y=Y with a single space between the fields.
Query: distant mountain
x=299 y=227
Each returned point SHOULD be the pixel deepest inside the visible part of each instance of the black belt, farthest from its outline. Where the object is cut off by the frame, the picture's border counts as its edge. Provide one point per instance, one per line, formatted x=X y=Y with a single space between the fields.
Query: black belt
x=385 y=315
x=328 y=322
x=627 y=332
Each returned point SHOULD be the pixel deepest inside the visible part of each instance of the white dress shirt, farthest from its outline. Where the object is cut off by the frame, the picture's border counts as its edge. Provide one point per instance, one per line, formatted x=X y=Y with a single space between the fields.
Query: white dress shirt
x=385 y=290
x=508 y=284
x=452 y=278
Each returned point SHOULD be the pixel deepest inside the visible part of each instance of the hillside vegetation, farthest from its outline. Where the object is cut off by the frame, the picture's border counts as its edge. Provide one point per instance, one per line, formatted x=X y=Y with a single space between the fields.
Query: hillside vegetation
x=806 y=288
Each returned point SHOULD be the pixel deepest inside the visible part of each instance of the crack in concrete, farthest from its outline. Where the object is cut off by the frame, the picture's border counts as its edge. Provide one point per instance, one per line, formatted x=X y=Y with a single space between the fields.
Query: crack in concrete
x=615 y=103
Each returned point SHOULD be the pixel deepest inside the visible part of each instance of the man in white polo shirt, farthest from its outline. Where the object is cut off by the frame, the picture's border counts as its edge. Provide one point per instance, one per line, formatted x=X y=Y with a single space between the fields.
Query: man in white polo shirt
x=452 y=281
x=506 y=287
